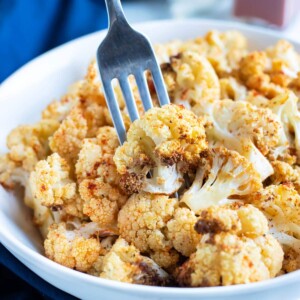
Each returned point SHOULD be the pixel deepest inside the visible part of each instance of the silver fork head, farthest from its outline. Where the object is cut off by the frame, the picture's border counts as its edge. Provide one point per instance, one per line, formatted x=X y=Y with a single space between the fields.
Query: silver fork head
x=125 y=52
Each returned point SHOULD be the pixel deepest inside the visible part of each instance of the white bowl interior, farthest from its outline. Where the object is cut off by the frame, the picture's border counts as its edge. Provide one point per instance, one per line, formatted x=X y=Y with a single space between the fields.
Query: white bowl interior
x=29 y=90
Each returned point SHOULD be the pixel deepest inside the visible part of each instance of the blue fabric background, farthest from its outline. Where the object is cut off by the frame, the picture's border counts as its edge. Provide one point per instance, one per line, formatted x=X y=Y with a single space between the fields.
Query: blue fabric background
x=31 y=27
x=18 y=282
x=27 y=29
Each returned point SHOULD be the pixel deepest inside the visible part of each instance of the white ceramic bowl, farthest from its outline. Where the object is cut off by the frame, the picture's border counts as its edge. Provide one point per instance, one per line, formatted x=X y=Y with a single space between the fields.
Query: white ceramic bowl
x=28 y=91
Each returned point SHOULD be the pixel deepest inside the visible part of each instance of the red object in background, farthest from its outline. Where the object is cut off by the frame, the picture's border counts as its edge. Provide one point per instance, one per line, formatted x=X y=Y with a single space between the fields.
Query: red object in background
x=277 y=12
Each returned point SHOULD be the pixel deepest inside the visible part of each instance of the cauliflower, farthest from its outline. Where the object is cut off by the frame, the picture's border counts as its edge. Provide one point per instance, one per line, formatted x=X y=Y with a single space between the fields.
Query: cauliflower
x=52 y=186
x=143 y=220
x=166 y=141
x=242 y=127
x=181 y=231
x=99 y=181
x=106 y=243
x=235 y=248
x=225 y=174
x=28 y=144
x=285 y=107
x=281 y=205
x=75 y=245
x=257 y=99
x=165 y=51
x=101 y=201
x=285 y=173
x=58 y=110
x=125 y=263
x=93 y=104
x=90 y=89
x=252 y=72
x=232 y=89
x=271 y=71
x=95 y=159
x=12 y=173
x=224 y=50
x=285 y=63
x=67 y=140
x=190 y=78
x=295 y=86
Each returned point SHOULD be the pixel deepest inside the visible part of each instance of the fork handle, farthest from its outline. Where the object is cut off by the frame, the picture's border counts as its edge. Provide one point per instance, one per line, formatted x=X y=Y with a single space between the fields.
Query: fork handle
x=115 y=11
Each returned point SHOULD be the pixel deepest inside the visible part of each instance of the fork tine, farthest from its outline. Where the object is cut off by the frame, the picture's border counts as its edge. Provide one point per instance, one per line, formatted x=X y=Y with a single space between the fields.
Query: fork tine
x=159 y=84
x=129 y=99
x=114 y=109
x=141 y=82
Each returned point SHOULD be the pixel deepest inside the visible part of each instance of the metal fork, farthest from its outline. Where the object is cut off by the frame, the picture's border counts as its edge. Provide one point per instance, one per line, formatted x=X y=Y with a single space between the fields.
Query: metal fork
x=125 y=52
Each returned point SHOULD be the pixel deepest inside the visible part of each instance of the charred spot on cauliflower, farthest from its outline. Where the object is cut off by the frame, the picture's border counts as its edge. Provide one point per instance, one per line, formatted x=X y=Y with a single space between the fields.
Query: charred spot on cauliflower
x=166 y=141
x=125 y=263
x=190 y=78
x=233 y=250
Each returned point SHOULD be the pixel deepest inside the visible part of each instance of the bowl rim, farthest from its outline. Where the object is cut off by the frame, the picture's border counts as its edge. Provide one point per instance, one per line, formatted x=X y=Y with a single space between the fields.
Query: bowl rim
x=26 y=253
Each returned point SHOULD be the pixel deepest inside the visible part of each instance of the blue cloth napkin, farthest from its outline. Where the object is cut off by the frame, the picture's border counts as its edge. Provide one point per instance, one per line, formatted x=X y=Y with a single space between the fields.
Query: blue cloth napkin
x=27 y=29
x=20 y=286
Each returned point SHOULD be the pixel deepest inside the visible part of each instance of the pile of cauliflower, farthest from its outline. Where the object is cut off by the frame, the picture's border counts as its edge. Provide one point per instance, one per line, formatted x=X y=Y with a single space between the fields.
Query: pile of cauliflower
x=204 y=192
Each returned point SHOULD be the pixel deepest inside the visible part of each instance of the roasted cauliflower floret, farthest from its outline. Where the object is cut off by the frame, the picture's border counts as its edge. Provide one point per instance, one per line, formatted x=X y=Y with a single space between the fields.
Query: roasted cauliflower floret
x=235 y=218
x=235 y=248
x=243 y=127
x=190 y=79
x=285 y=62
x=95 y=159
x=166 y=141
x=74 y=245
x=285 y=173
x=225 y=174
x=87 y=96
x=98 y=177
x=67 y=140
x=165 y=51
x=281 y=205
x=92 y=101
x=257 y=99
x=52 y=186
x=270 y=71
x=224 y=50
x=12 y=173
x=125 y=263
x=51 y=181
x=28 y=144
x=291 y=253
x=58 y=110
x=285 y=107
x=232 y=89
x=181 y=231
x=101 y=201
x=143 y=221
x=90 y=89
x=253 y=73
x=295 y=85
